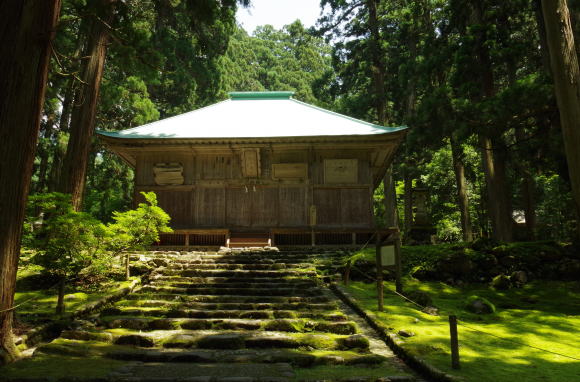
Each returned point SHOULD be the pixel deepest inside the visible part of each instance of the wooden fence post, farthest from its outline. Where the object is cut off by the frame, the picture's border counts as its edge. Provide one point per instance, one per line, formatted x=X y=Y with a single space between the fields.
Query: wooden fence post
x=454 y=342
x=380 y=294
x=398 y=266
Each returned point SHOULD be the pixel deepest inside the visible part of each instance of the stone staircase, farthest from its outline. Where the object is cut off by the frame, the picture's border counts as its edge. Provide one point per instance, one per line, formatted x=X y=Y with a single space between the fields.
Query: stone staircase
x=236 y=316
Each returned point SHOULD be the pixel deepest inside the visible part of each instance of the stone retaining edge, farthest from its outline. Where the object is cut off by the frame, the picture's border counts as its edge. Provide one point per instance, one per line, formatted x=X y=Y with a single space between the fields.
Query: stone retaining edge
x=393 y=341
x=36 y=334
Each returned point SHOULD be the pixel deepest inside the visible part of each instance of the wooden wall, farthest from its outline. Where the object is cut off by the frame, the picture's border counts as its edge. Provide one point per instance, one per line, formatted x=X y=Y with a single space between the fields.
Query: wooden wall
x=215 y=193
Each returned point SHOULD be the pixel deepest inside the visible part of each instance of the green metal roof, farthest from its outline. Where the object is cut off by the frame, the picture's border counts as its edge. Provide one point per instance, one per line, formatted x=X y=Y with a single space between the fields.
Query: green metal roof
x=254 y=115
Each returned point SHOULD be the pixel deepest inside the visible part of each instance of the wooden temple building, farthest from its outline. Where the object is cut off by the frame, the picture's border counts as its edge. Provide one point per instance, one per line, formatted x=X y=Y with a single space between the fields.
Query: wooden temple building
x=260 y=168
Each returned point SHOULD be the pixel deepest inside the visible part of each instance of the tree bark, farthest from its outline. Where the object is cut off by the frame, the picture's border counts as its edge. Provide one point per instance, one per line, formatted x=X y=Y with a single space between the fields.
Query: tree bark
x=26 y=31
x=498 y=195
x=408 y=204
x=74 y=167
x=44 y=156
x=60 y=301
x=462 y=198
x=566 y=75
x=528 y=188
x=390 y=201
x=498 y=200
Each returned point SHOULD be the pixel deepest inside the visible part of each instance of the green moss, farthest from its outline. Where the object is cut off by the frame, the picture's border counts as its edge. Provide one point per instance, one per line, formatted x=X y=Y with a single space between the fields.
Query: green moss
x=48 y=366
x=340 y=372
x=541 y=314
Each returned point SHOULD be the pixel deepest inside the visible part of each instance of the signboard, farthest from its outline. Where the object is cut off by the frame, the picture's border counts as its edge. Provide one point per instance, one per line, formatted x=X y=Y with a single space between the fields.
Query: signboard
x=340 y=171
x=251 y=163
x=388 y=255
x=290 y=171
x=168 y=174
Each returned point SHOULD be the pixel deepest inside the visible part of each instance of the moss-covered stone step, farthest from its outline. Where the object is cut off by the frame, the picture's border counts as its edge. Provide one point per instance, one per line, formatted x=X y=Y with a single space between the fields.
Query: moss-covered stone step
x=293 y=306
x=248 y=291
x=228 y=298
x=254 y=280
x=238 y=285
x=239 y=260
x=291 y=356
x=182 y=312
x=237 y=273
x=208 y=339
x=295 y=357
x=282 y=325
x=237 y=266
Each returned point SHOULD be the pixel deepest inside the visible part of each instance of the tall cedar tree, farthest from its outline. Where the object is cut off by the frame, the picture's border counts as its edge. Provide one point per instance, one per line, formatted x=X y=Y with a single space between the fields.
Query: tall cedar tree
x=564 y=64
x=26 y=31
x=82 y=125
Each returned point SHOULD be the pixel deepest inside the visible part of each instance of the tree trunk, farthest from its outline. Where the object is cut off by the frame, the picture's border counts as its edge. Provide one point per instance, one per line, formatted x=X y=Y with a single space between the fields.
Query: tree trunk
x=377 y=65
x=528 y=187
x=82 y=126
x=462 y=199
x=566 y=74
x=498 y=198
x=44 y=156
x=498 y=195
x=60 y=301
x=544 y=50
x=390 y=201
x=63 y=128
x=26 y=31
x=408 y=204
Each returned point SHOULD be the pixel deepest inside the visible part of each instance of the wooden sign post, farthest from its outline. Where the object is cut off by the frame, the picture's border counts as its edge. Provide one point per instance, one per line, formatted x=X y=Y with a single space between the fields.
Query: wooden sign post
x=388 y=254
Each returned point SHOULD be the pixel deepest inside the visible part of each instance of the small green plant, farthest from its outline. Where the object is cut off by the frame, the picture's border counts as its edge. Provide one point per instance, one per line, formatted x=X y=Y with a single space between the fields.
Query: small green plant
x=67 y=242
x=139 y=228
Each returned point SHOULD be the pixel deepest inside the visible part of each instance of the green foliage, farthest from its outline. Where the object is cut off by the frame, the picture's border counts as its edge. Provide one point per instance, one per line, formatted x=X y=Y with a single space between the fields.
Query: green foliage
x=139 y=228
x=288 y=59
x=68 y=241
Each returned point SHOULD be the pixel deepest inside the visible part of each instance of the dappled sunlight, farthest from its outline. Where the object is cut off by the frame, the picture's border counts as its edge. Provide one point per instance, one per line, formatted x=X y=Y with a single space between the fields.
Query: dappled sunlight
x=483 y=356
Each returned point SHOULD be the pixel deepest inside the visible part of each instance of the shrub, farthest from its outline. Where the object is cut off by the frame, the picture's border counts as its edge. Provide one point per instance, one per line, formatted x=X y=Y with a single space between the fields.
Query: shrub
x=67 y=242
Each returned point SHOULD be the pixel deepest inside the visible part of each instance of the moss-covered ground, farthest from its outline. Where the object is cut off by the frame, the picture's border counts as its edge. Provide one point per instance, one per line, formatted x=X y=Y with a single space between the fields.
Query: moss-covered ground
x=540 y=314
x=36 y=293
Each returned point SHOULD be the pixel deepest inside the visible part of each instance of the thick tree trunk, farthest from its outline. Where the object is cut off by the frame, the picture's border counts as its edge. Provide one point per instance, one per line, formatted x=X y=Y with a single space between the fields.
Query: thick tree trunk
x=380 y=103
x=528 y=187
x=498 y=194
x=26 y=31
x=566 y=74
x=60 y=301
x=44 y=154
x=544 y=50
x=408 y=204
x=390 y=201
x=462 y=199
x=63 y=128
x=377 y=66
x=74 y=167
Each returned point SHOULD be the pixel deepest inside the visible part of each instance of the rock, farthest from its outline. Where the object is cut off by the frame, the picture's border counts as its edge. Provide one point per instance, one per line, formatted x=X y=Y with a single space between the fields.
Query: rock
x=420 y=297
x=71 y=297
x=501 y=282
x=357 y=341
x=281 y=326
x=139 y=269
x=405 y=333
x=431 y=310
x=508 y=261
x=135 y=340
x=82 y=335
x=160 y=262
x=457 y=264
x=221 y=341
x=519 y=278
x=479 y=305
